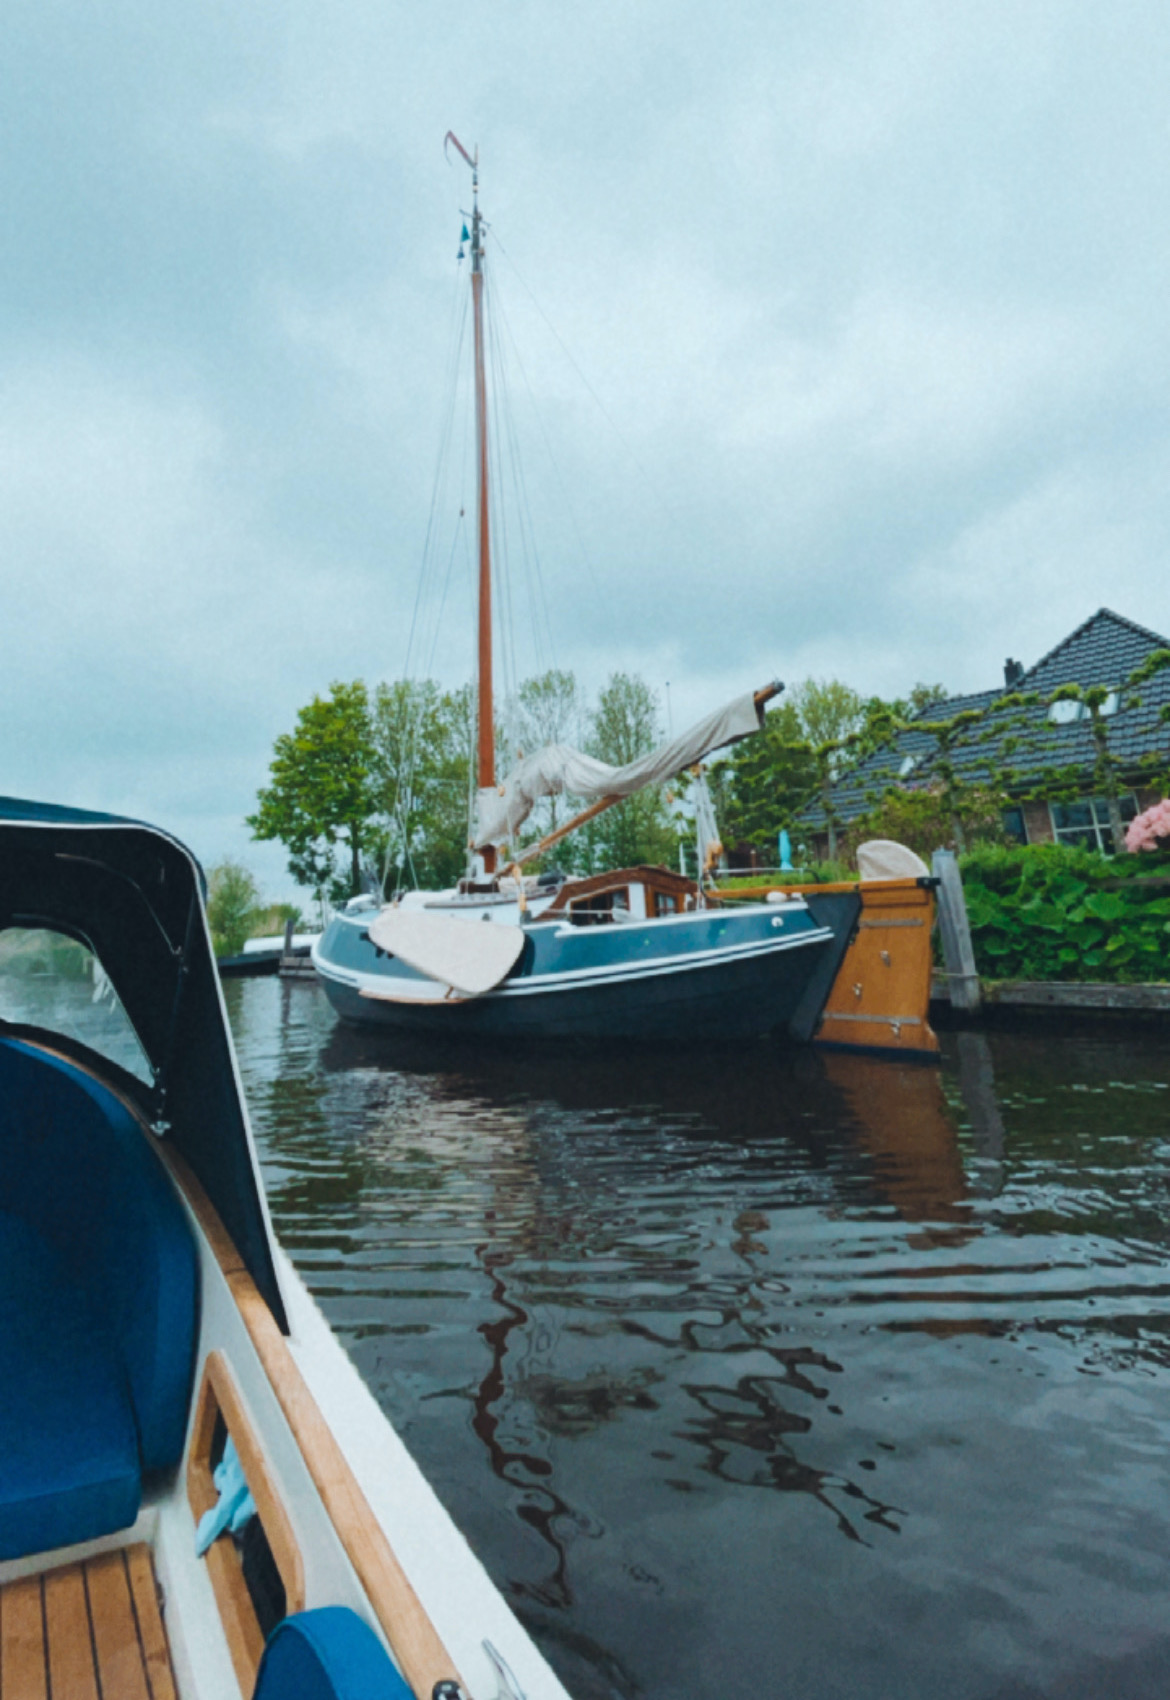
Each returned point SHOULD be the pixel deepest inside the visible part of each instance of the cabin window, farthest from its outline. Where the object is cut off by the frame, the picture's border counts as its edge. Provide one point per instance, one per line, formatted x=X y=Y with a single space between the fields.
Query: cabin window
x=1087 y=822
x=601 y=907
x=53 y=982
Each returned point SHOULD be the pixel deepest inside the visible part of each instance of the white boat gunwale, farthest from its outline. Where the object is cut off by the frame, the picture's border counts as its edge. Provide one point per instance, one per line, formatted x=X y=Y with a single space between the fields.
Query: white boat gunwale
x=370 y=1532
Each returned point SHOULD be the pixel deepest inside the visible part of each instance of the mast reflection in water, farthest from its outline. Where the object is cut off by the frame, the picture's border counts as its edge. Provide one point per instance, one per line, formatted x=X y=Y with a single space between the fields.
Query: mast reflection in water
x=760 y=1372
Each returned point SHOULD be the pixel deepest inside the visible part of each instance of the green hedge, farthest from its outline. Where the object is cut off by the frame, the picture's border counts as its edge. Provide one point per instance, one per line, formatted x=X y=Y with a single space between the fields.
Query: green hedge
x=1047 y=912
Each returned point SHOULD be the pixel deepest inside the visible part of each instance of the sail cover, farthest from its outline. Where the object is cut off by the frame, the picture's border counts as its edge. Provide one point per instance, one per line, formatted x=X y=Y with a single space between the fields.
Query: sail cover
x=504 y=808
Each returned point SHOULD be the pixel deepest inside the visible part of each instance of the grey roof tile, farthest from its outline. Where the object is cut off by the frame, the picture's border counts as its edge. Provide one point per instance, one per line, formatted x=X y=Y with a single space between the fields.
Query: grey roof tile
x=1104 y=650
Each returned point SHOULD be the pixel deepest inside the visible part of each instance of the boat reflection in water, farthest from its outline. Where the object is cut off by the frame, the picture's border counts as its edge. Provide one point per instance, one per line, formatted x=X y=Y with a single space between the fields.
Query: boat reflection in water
x=550 y=1158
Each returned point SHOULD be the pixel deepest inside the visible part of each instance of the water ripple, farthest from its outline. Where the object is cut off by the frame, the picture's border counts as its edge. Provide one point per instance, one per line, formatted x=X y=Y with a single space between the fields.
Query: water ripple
x=759 y=1350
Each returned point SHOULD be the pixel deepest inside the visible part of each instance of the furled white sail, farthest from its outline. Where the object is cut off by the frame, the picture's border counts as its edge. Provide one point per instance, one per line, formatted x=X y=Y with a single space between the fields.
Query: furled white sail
x=503 y=809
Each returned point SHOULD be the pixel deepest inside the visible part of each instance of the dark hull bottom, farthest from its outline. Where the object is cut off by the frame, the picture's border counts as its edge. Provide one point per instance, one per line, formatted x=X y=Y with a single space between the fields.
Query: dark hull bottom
x=732 y=1000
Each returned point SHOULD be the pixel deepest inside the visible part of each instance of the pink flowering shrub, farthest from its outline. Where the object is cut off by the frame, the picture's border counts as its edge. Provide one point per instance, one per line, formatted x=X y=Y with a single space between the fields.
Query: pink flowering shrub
x=1150 y=831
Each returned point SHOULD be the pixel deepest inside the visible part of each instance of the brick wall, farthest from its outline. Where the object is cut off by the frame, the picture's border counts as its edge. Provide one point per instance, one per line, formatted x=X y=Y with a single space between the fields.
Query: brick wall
x=1037 y=823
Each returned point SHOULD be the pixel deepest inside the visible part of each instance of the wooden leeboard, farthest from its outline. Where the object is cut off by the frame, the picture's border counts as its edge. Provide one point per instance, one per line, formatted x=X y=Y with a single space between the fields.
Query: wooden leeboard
x=472 y=956
x=87 y=1629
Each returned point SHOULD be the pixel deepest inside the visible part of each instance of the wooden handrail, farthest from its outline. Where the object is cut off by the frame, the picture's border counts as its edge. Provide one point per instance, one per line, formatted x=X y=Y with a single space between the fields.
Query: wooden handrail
x=415 y=1641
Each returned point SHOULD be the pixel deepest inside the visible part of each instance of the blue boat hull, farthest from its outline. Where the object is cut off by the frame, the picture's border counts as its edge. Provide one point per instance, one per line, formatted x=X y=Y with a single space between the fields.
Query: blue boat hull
x=719 y=974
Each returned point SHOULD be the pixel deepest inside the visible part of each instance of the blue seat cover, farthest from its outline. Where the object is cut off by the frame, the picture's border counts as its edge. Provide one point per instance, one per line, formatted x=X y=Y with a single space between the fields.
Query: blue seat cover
x=327 y=1654
x=98 y=1307
x=68 y=1447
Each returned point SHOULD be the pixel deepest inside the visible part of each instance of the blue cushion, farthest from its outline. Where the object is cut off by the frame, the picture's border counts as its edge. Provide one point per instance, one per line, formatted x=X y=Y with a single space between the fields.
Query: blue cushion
x=75 y=1165
x=327 y=1654
x=68 y=1448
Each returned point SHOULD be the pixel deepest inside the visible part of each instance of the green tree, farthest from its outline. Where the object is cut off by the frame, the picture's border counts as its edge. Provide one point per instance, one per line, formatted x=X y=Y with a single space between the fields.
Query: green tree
x=322 y=794
x=764 y=780
x=924 y=820
x=548 y=710
x=840 y=728
x=625 y=726
x=829 y=712
x=233 y=905
x=422 y=775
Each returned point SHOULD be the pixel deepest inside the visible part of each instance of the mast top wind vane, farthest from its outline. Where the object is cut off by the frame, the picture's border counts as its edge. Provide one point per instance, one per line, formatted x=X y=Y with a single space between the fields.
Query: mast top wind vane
x=452 y=137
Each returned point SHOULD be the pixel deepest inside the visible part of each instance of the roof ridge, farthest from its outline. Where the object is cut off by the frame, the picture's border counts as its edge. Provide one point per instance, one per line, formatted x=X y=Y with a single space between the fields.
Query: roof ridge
x=1101 y=614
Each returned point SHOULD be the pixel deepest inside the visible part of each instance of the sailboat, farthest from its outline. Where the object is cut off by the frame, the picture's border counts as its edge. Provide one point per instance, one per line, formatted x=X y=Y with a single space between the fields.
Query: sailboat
x=637 y=953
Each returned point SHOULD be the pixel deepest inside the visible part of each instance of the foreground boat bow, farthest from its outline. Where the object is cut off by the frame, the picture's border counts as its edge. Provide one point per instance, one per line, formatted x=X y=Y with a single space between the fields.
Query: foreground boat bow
x=159 y=1357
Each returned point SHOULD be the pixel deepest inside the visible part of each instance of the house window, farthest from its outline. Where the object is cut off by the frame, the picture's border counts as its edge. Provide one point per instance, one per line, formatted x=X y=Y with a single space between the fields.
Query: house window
x=1013 y=826
x=1069 y=710
x=1087 y=822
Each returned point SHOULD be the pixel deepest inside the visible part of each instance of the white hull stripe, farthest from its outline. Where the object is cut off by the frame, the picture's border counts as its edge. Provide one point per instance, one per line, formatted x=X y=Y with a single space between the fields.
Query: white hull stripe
x=663 y=967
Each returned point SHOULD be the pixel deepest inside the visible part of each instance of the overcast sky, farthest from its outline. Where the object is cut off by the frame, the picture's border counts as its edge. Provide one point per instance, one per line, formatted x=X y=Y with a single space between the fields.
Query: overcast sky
x=840 y=348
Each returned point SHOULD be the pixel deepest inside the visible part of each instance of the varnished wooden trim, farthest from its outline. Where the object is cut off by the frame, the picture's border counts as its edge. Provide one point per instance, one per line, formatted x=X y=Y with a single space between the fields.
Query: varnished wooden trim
x=70 y=1651
x=85 y=1630
x=219 y=1396
x=656 y=880
x=240 y=1625
x=117 y=1650
x=412 y=1636
x=23 y=1665
x=152 y=1636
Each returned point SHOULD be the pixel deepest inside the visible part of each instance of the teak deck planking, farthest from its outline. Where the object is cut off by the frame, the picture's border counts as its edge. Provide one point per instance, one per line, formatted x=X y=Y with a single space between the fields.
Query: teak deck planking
x=87 y=1631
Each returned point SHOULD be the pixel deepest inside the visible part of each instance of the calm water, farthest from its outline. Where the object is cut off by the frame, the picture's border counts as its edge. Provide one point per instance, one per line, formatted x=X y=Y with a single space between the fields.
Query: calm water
x=760 y=1374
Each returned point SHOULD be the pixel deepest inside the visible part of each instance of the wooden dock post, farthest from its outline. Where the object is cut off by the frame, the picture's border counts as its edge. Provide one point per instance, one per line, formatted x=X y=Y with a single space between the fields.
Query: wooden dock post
x=958 y=953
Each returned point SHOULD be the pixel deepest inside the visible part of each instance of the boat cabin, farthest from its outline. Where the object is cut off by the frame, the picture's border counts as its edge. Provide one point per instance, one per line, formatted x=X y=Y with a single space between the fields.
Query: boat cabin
x=626 y=894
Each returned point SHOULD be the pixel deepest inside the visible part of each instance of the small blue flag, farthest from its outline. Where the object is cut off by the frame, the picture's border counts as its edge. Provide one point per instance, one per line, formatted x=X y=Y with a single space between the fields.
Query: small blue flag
x=465 y=234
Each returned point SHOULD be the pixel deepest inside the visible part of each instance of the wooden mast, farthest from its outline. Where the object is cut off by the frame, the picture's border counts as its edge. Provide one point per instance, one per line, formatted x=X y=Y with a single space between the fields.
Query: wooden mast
x=486 y=752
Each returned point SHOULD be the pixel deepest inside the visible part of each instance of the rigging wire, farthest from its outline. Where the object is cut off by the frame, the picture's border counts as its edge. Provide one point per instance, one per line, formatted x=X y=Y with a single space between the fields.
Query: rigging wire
x=456 y=340
x=544 y=647
x=584 y=554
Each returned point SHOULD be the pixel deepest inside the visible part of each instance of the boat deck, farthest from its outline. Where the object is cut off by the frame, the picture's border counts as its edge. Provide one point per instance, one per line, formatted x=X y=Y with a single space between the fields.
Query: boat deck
x=89 y=1631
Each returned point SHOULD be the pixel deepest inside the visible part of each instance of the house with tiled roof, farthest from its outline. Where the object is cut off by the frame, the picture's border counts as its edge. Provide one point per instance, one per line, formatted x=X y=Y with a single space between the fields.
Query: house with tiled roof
x=1040 y=752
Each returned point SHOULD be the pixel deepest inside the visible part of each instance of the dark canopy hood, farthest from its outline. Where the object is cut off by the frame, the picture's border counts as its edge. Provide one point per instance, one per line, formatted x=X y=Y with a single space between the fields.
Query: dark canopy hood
x=135 y=895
